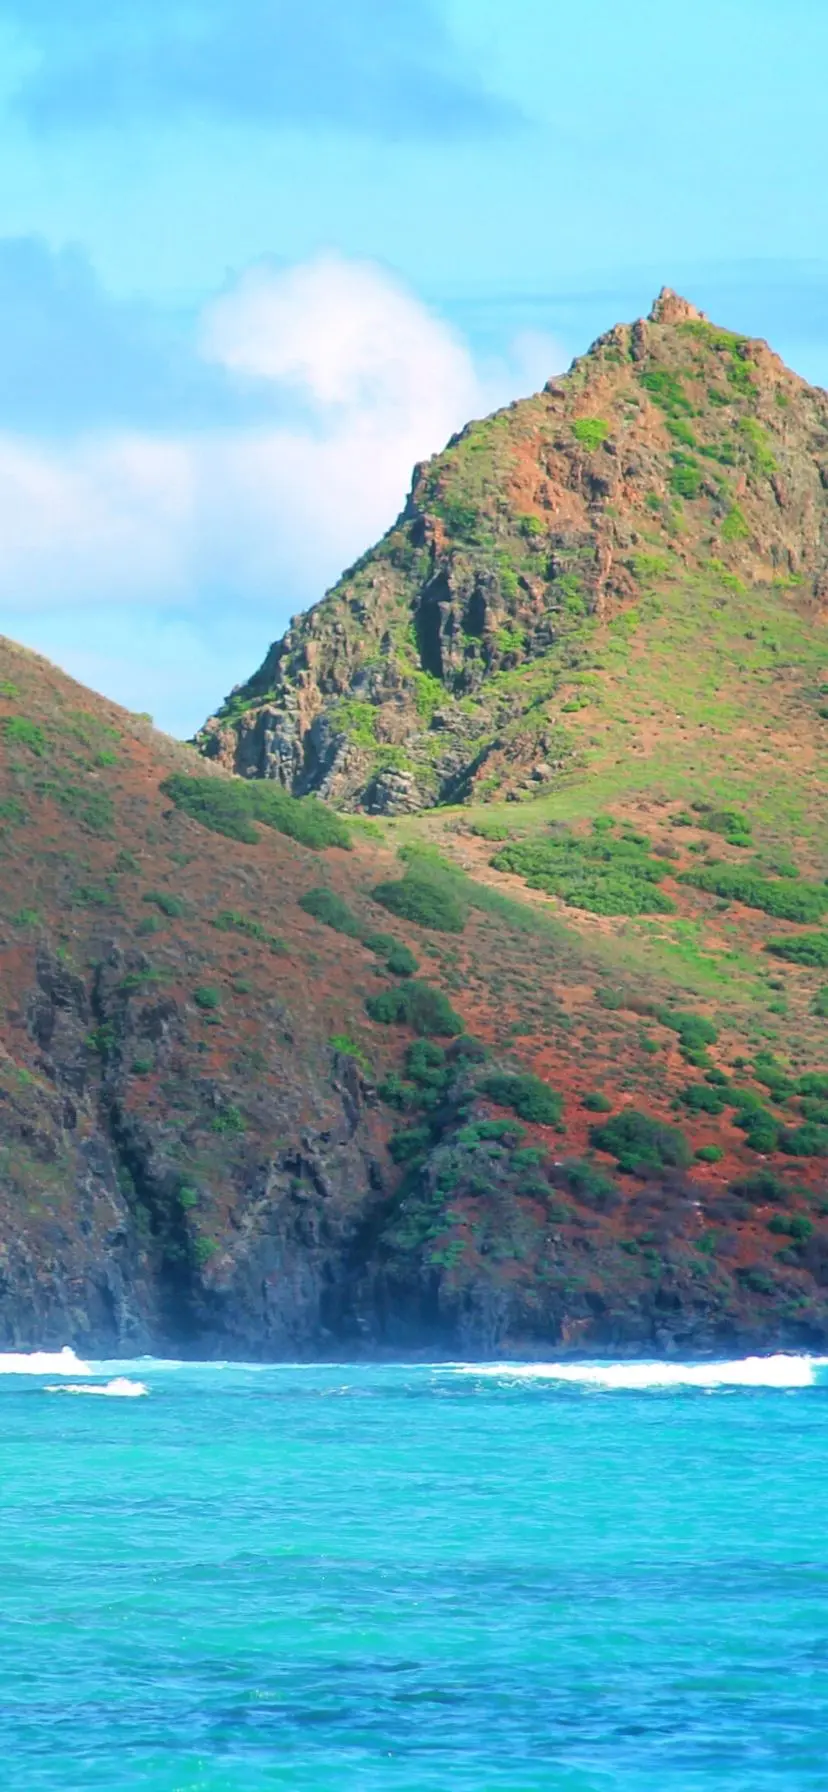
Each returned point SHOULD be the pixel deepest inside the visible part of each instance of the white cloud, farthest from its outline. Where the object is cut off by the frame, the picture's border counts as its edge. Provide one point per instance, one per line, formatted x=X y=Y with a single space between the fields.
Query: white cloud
x=345 y=334
x=105 y=519
x=364 y=382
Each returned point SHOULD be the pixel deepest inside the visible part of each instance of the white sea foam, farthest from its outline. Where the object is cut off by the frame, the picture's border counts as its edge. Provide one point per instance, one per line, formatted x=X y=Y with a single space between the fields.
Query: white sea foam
x=747 y=1372
x=119 y=1389
x=44 y=1362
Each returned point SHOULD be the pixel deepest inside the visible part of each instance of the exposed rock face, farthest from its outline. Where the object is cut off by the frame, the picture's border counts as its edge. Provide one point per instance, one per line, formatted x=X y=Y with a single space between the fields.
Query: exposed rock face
x=117 y=1268
x=672 y=448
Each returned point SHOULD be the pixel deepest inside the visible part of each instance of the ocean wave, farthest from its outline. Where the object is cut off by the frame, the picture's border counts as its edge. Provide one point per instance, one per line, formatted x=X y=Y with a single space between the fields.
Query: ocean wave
x=746 y=1372
x=119 y=1389
x=43 y=1362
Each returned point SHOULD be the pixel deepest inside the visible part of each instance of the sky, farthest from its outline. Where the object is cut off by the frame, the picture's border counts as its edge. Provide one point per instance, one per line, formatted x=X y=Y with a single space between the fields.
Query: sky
x=257 y=259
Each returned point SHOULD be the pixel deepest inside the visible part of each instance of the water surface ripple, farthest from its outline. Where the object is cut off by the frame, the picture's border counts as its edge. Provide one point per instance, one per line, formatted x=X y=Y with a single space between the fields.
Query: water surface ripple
x=414 y=1579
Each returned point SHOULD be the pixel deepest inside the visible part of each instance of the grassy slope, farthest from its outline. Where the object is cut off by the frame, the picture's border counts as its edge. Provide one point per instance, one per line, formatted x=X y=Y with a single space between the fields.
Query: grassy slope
x=699 y=696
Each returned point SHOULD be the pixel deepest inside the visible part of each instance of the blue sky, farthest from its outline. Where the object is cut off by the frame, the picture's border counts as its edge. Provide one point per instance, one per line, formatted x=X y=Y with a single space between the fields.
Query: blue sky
x=256 y=258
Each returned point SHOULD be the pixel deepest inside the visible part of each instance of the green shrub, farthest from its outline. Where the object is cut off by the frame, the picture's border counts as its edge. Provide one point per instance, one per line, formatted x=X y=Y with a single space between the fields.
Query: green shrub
x=709 y=1154
x=467 y=1050
x=206 y=997
x=700 y=1098
x=589 y=1184
x=380 y=943
x=526 y=1095
x=26 y=917
x=734 y=827
x=148 y=924
x=760 y=1128
x=590 y=432
x=596 y=1103
x=815 y=1109
x=429 y=693
x=20 y=732
x=460 y=518
x=233 y=807
x=483 y=1132
x=357 y=719
x=759 y=446
x=802 y=948
x=641 y=1144
x=323 y=904
x=735 y=526
x=814 y=1082
x=12 y=812
x=808 y=1140
x=758 y=1280
x=425 y=1064
x=791 y=1226
x=667 y=390
x=94 y=896
x=695 y=1031
x=782 y=897
x=396 y=1093
x=681 y=432
x=426 y=900
x=230 y=921
x=401 y=961
x=759 y=1187
x=772 y=1076
x=819 y=1005
x=326 y=906
x=747 y=1101
x=604 y=874
x=528 y=1157
x=739 y=373
x=203 y=1250
x=417 y=1005
x=712 y=337
x=230 y=1121
x=794 y=1225
x=406 y=1146
x=686 y=476
x=138 y=982
x=650 y=566
x=170 y=905
x=348 y=1048
x=216 y=805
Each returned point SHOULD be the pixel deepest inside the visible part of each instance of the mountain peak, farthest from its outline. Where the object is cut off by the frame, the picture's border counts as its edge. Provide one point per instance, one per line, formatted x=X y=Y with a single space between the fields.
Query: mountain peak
x=671 y=308
x=675 y=459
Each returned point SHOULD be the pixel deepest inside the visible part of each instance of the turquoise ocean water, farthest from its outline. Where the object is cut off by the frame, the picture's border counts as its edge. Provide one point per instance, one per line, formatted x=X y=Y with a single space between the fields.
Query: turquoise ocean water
x=414 y=1579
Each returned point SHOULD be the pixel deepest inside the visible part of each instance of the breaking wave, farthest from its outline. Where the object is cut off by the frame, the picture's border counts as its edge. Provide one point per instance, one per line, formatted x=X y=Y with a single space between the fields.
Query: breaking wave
x=119 y=1389
x=746 y=1372
x=43 y=1362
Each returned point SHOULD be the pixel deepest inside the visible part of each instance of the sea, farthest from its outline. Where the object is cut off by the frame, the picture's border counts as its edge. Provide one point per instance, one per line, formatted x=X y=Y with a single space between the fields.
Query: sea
x=586 y=1577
